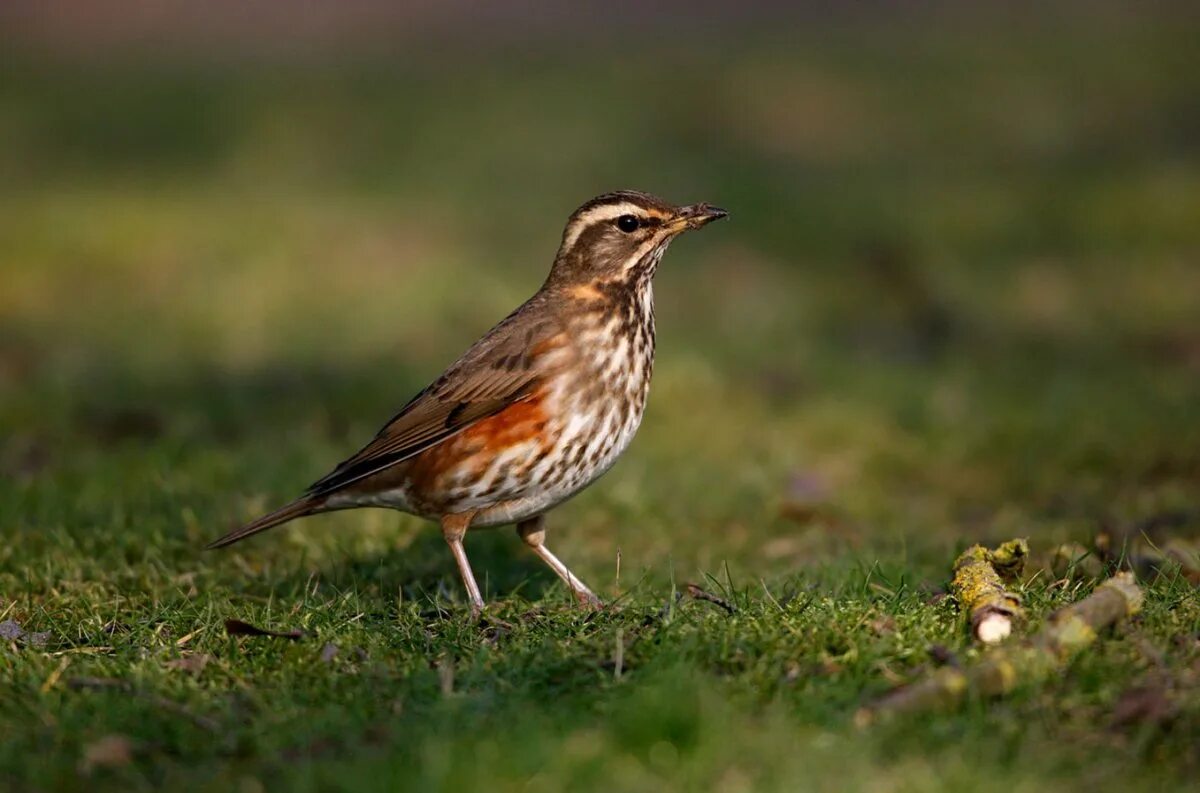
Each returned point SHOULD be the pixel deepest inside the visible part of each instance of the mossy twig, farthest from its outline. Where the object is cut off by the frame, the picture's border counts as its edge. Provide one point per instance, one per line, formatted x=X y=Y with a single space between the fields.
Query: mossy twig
x=979 y=585
x=1066 y=633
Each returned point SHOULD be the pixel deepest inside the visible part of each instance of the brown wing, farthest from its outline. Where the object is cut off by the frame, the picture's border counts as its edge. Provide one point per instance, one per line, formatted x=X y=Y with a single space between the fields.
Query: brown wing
x=495 y=373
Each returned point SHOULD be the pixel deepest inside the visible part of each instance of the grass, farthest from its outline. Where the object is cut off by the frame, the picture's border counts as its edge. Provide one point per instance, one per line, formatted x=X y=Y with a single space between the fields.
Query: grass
x=955 y=302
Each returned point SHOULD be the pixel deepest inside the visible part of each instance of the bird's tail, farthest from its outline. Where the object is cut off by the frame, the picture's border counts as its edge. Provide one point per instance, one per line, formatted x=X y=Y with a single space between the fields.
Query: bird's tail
x=297 y=509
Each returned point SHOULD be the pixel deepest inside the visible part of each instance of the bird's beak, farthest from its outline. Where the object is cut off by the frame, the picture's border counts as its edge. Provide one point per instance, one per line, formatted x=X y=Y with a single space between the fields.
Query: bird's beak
x=693 y=217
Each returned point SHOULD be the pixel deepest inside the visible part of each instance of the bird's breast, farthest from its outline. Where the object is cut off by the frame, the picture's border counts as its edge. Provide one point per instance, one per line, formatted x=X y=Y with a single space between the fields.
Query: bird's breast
x=546 y=447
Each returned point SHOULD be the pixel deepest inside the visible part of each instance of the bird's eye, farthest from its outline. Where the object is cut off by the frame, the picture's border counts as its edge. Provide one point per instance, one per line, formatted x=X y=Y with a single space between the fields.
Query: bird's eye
x=627 y=223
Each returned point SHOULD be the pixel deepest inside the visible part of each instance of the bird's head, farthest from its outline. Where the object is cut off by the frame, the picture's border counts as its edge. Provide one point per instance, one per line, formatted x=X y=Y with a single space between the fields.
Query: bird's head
x=621 y=236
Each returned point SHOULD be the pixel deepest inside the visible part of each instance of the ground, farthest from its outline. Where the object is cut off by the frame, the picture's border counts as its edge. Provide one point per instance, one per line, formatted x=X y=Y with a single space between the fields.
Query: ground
x=955 y=301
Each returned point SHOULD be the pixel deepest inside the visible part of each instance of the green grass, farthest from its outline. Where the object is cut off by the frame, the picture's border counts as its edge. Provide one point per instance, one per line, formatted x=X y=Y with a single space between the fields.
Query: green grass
x=956 y=301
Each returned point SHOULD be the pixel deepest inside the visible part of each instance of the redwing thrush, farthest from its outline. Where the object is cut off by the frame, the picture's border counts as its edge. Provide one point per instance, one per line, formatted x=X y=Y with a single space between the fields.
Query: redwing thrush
x=534 y=411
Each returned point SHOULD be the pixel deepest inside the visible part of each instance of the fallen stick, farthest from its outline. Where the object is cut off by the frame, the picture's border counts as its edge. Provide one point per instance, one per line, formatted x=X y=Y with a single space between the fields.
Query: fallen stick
x=979 y=582
x=1067 y=632
x=700 y=594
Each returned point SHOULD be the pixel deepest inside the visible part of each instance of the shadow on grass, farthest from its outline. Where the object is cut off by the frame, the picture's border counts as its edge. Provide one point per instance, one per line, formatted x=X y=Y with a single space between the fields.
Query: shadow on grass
x=418 y=567
x=424 y=570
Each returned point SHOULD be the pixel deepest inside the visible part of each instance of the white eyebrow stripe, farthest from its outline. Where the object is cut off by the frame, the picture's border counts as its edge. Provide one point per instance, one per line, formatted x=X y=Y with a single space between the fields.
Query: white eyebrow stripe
x=598 y=214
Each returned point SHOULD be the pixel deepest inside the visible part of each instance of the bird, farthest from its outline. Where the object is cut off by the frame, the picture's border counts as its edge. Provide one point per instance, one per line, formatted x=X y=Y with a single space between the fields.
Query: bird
x=534 y=411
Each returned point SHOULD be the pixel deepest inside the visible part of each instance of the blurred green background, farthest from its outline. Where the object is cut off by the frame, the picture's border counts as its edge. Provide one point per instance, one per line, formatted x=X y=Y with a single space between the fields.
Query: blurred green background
x=958 y=296
x=960 y=281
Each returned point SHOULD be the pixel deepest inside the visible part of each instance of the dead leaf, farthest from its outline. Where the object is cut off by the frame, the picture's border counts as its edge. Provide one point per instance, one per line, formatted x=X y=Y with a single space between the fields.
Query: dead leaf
x=25 y=456
x=1150 y=652
x=113 y=684
x=799 y=512
x=83 y=683
x=1147 y=703
x=317 y=747
x=782 y=547
x=239 y=628
x=114 y=425
x=806 y=499
x=883 y=626
x=943 y=655
x=889 y=674
x=111 y=751
x=328 y=653
x=808 y=486
x=192 y=663
x=827 y=666
x=171 y=706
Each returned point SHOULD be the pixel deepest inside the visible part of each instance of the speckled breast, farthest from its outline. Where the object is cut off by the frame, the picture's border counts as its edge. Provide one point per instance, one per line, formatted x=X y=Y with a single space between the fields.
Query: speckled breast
x=541 y=450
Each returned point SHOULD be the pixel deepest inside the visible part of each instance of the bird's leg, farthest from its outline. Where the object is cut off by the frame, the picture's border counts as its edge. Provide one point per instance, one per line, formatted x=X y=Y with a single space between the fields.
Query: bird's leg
x=533 y=532
x=454 y=527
